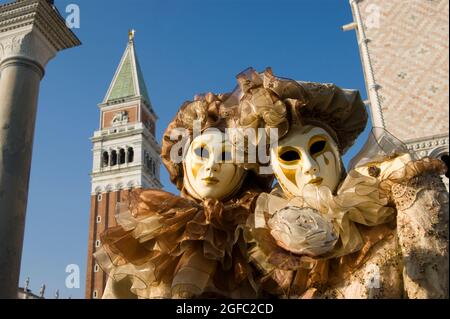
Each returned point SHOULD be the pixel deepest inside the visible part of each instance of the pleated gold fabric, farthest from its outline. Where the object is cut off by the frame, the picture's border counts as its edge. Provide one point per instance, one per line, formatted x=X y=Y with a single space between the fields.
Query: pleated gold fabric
x=176 y=247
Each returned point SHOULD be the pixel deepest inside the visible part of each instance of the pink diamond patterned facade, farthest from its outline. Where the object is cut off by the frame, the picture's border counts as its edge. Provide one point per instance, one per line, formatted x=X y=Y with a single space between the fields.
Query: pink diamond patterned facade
x=407 y=44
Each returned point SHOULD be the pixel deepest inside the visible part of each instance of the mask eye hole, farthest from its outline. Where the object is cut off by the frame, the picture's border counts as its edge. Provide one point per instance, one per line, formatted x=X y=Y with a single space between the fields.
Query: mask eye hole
x=289 y=156
x=317 y=147
x=201 y=152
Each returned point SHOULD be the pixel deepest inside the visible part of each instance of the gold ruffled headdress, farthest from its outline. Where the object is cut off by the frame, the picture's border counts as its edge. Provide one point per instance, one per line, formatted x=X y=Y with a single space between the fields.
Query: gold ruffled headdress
x=210 y=111
x=268 y=102
x=170 y=246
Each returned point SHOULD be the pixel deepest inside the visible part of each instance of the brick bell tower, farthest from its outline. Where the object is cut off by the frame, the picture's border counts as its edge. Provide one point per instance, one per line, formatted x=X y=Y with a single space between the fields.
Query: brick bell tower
x=125 y=155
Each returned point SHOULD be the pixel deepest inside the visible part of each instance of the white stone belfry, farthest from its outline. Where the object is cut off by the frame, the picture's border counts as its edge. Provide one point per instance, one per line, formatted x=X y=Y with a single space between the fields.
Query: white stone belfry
x=127 y=125
x=31 y=33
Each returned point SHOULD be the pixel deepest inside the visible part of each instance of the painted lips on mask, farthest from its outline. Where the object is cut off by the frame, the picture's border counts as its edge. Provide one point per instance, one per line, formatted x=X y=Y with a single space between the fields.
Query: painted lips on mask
x=210 y=180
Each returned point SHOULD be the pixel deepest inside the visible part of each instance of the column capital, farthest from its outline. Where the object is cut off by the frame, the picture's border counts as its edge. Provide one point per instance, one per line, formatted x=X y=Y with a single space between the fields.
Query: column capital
x=33 y=30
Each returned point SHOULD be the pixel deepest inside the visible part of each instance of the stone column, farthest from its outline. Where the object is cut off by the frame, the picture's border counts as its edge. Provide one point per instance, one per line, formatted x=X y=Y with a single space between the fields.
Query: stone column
x=25 y=49
x=19 y=88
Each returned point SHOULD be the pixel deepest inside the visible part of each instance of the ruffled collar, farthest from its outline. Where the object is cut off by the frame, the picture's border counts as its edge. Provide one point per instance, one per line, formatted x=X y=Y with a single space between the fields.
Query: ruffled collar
x=180 y=245
x=358 y=200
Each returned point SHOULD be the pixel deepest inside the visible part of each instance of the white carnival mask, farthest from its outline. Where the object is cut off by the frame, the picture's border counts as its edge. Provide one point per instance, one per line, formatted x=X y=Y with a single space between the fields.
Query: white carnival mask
x=308 y=155
x=209 y=170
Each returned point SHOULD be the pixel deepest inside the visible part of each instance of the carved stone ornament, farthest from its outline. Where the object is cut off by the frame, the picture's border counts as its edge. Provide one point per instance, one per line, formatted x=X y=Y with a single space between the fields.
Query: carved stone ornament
x=120 y=118
x=32 y=46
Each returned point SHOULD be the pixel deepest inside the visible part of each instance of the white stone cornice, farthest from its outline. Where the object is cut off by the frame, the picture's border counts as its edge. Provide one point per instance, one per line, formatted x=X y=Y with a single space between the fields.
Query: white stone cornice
x=126 y=131
x=33 y=30
x=429 y=146
x=372 y=86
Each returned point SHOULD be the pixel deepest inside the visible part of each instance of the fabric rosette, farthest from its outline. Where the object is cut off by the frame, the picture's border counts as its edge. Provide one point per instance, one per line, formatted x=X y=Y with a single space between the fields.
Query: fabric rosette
x=302 y=231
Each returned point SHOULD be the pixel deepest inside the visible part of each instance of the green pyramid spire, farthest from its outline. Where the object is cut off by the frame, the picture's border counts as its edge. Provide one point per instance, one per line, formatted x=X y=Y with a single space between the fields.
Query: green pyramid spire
x=123 y=86
x=128 y=82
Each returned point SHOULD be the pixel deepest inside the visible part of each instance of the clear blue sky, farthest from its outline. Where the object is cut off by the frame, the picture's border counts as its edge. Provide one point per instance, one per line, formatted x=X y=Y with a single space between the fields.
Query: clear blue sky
x=185 y=47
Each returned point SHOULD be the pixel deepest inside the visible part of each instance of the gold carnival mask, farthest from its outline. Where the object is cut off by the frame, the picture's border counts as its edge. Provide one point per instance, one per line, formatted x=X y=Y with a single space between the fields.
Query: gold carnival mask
x=209 y=169
x=308 y=155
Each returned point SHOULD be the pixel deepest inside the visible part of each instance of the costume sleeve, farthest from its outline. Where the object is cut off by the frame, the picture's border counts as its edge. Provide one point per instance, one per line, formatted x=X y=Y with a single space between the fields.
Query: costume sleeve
x=118 y=289
x=422 y=203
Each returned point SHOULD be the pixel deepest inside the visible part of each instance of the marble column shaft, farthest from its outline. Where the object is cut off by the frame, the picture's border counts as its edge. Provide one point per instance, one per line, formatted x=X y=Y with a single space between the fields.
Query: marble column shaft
x=19 y=89
x=32 y=32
